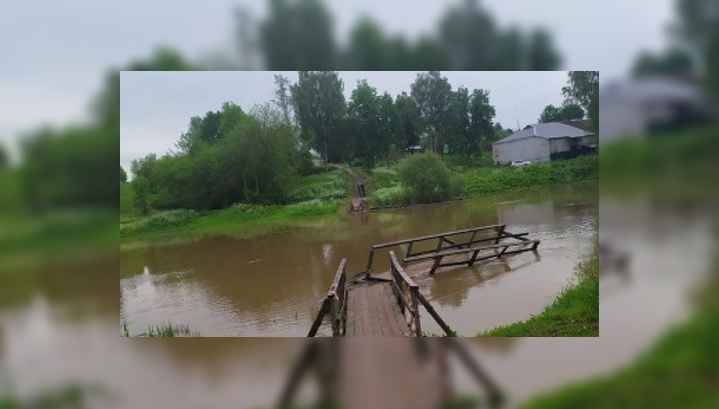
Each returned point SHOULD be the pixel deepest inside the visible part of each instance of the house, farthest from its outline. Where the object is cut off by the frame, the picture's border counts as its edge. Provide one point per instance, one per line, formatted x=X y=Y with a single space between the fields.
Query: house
x=644 y=105
x=542 y=143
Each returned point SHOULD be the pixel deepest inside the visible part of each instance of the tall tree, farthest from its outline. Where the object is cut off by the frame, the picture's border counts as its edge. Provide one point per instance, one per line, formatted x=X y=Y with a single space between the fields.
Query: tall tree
x=481 y=126
x=673 y=62
x=283 y=98
x=433 y=94
x=363 y=112
x=566 y=112
x=698 y=29
x=410 y=120
x=583 y=89
x=123 y=175
x=141 y=187
x=458 y=123
x=298 y=35
x=320 y=107
x=4 y=160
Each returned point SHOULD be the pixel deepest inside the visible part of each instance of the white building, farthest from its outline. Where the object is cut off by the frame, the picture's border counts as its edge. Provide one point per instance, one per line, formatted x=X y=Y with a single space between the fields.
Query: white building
x=542 y=143
x=639 y=106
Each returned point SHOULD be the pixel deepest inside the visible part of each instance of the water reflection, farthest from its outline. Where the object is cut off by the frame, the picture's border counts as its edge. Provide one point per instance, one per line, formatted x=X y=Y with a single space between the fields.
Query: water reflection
x=270 y=285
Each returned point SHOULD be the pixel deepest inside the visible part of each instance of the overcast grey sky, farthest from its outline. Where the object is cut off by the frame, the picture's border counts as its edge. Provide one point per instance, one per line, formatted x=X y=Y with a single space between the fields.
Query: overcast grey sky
x=155 y=107
x=56 y=54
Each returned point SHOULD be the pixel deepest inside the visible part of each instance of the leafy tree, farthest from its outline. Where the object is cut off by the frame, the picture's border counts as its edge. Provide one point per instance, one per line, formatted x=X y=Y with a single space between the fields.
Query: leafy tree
x=389 y=124
x=458 y=136
x=297 y=35
x=433 y=95
x=4 y=160
x=572 y=112
x=410 y=120
x=426 y=177
x=144 y=166
x=368 y=49
x=141 y=188
x=320 y=108
x=583 y=89
x=123 y=175
x=363 y=112
x=566 y=112
x=481 y=125
x=283 y=98
x=673 y=62
x=541 y=53
x=698 y=29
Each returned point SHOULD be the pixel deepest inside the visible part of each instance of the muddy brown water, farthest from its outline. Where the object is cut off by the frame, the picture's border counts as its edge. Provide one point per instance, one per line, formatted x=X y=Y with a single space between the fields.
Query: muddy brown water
x=271 y=284
x=59 y=326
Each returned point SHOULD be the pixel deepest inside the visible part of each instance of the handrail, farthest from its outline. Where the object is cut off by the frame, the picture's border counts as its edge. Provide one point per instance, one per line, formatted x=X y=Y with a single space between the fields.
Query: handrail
x=416 y=298
x=436 y=236
x=334 y=303
x=442 y=238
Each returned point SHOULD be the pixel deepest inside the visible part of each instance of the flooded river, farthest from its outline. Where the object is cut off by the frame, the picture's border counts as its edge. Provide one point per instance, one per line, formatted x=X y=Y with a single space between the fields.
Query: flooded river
x=271 y=284
x=59 y=326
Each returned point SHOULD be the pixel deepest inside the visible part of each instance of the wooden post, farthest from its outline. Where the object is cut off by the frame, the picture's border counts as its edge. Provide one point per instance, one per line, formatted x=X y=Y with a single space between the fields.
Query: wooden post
x=369 y=262
x=500 y=233
x=430 y=309
x=409 y=249
x=474 y=258
x=445 y=381
x=437 y=261
x=414 y=291
x=318 y=320
x=471 y=241
x=308 y=356
x=439 y=243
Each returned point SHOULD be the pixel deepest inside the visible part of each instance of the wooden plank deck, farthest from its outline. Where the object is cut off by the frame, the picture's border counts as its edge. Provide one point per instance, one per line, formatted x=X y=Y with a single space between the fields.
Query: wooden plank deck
x=384 y=373
x=373 y=311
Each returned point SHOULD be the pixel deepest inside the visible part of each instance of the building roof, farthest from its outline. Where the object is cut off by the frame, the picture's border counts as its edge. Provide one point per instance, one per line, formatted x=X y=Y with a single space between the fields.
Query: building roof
x=649 y=90
x=550 y=130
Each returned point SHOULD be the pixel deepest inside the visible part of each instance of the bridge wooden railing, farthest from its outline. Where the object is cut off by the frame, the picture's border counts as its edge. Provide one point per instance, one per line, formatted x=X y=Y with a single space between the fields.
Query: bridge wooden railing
x=403 y=284
x=445 y=241
x=335 y=304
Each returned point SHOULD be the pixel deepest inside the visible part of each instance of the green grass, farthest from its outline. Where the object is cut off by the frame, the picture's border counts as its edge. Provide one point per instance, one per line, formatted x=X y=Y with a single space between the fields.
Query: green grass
x=325 y=186
x=469 y=180
x=680 y=371
x=574 y=313
x=314 y=195
x=162 y=331
x=500 y=179
x=235 y=217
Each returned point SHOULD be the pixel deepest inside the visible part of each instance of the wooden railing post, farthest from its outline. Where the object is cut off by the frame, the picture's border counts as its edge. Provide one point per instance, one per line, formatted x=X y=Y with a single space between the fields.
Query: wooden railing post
x=369 y=262
x=500 y=233
x=414 y=291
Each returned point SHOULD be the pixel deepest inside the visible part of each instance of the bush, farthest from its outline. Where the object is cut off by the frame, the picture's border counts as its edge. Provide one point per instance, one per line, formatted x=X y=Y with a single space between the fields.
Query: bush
x=127 y=199
x=326 y=187
x=159 y=221
x=388 y=196
x=426 y=178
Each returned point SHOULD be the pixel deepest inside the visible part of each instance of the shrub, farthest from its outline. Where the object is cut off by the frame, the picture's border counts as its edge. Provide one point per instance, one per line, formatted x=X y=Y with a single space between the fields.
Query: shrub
x=327 y=187
x=426 y=178
x=388 y=196
x=159 y=221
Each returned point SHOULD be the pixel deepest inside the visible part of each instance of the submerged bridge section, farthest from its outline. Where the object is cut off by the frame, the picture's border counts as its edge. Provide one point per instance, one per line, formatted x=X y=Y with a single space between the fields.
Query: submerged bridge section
x=388 y=304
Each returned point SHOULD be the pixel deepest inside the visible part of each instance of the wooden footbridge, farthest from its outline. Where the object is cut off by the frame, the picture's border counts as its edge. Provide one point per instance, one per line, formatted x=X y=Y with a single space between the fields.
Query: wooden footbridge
x=388 y=304
x=384 y=373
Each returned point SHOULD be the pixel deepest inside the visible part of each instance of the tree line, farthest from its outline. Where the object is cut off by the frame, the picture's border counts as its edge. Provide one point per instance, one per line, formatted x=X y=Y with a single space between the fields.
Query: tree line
x=229 y=156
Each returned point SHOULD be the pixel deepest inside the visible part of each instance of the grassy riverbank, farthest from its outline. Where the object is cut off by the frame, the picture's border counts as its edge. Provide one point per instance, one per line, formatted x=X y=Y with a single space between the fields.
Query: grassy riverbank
x=467 y=180
x=679 y=371
x=574 y=313
x=312 y=196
